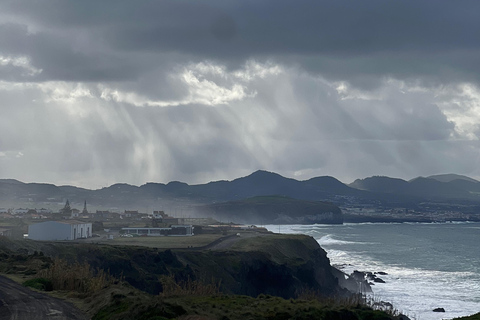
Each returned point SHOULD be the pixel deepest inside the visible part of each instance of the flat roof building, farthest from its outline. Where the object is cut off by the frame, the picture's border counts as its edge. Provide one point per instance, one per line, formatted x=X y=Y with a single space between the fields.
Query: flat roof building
x=60 y=230
x=177 y=230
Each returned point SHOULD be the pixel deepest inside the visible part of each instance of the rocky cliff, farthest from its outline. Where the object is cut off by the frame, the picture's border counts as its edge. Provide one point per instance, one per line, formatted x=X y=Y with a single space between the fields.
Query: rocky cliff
x=280 y=265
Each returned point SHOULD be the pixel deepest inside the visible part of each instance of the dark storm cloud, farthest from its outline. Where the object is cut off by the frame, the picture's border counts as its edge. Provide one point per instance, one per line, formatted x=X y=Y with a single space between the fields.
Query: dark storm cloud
x=336 y=38
x=137 y=91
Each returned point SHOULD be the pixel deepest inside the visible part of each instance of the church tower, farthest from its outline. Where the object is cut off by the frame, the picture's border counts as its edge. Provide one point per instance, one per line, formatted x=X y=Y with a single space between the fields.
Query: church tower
x=85 y=211
x=66 y=209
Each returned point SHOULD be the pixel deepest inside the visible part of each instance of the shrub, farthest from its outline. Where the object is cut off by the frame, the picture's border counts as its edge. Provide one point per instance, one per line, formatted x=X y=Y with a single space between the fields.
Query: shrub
x=39 y=284
x=171 y=287
x=76 y=277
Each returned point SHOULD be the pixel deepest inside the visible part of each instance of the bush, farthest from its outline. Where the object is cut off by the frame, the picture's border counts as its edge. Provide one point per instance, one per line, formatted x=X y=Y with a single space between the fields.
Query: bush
x=39 y=284
x=171 y=287
x=76 y=277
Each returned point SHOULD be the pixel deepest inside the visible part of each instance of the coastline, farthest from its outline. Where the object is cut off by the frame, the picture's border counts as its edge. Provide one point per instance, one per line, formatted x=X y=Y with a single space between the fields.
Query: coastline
x=357 y=218
x=416 y=283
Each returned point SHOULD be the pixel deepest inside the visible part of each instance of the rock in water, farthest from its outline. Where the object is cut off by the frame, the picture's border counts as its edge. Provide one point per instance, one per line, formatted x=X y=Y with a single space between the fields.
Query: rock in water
x=378 y=280
x=438 y=310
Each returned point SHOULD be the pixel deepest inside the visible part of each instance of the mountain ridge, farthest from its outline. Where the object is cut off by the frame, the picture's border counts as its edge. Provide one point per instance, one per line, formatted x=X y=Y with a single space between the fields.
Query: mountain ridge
x=372 y=191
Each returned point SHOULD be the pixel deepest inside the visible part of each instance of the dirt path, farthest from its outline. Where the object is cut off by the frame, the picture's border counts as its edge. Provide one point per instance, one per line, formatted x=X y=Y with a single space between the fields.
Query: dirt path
x=18 y=302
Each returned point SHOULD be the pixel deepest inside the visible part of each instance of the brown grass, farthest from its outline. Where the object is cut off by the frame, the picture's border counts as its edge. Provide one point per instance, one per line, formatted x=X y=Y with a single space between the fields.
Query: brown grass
x=76 y=277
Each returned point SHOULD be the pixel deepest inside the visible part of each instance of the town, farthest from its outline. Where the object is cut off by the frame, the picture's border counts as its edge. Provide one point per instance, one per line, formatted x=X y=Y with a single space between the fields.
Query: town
x=74 y=224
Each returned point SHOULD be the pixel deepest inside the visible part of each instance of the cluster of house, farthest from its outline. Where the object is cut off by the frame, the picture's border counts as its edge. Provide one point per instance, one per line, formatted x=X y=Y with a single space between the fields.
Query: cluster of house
x=72 y=213
x=75 y=229
x=25 y=213
x=72 y=225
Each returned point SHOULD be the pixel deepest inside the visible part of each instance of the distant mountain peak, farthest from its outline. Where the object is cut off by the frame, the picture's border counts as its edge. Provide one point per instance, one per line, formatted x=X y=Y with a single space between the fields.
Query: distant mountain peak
x=11 y=181
x=379 y=184
x=451 y=177
x=263 y=173
x=176 y=183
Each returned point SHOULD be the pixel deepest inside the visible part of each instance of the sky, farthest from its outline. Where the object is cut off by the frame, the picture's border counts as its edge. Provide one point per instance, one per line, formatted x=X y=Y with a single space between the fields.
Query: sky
x=100 y=92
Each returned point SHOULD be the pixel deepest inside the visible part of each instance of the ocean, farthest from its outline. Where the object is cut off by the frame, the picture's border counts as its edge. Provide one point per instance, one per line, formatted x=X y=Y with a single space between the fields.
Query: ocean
x=428 y=266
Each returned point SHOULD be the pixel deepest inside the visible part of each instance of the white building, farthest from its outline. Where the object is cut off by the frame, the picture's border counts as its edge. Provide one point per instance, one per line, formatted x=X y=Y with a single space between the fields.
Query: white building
x=60 y=230
x=44 y=211
x=21 y=211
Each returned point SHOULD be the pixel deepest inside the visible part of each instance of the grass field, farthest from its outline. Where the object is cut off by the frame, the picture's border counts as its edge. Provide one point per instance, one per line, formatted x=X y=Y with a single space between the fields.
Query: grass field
x=166 y=242
x=9 y=223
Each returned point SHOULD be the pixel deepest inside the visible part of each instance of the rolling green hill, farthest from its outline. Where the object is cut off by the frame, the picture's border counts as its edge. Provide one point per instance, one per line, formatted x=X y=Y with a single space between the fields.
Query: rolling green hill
x=273 y=210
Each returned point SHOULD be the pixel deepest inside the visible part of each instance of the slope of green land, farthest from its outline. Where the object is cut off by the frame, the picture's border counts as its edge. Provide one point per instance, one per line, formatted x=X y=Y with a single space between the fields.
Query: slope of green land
x=273 y=210
x=258 y=277
x=237 y=307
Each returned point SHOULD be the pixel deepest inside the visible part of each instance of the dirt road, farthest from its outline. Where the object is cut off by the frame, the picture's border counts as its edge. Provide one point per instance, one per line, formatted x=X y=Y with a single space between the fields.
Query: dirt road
x=20 y=303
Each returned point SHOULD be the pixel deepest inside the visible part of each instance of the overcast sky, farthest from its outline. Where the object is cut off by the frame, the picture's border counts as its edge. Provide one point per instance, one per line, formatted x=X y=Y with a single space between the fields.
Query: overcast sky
x=98 y=92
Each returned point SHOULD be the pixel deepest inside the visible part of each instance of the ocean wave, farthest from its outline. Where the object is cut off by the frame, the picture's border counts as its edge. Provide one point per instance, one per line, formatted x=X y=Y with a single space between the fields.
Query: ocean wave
x=421 y=274
x=419 y=291
x=330 y=240
x=416 y=291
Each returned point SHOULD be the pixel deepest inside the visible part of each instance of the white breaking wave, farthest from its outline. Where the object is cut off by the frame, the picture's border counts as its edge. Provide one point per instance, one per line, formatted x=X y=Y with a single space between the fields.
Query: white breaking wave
x=330 y=240
x=413 y=290
x=416 y=292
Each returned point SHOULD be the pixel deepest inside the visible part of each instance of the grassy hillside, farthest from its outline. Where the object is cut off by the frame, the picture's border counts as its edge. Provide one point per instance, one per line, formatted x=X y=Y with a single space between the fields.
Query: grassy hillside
x=273 y=210
x=117 y=282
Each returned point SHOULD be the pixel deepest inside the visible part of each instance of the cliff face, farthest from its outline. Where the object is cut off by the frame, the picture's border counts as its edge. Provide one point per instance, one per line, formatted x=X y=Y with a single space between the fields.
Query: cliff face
x=279 y=265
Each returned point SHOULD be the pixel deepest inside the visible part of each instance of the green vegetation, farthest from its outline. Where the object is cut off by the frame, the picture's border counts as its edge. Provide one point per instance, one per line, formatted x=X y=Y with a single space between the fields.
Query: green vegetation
x=41 y=284
x=292 y=249
x=166 y=242
x=269 y=307
x=189 y=287
x=111 y=282
x=117 y=307
x=289 y=244
x=274 y=210
x=237 y=307
x=19 y=262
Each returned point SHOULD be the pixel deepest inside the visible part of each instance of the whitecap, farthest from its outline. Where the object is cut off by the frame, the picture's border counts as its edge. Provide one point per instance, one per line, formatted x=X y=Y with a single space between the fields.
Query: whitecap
x=329 y=240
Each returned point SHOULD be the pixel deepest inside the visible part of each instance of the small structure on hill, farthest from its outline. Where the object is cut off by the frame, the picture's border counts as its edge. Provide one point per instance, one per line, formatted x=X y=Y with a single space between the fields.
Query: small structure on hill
x=75 y=213
x=162 y=217
x=6 y=232
x=60 y=230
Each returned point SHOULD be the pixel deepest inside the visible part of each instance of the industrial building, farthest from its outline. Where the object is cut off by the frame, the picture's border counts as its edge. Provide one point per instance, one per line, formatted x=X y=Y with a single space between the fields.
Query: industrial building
x=175 y=230
x=60 y=230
